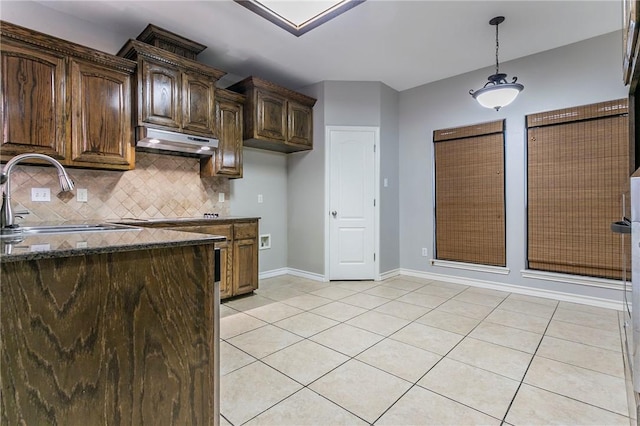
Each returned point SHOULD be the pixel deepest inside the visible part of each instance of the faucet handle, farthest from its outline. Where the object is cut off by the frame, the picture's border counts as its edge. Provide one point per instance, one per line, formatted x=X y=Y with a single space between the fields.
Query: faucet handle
x=21 y=214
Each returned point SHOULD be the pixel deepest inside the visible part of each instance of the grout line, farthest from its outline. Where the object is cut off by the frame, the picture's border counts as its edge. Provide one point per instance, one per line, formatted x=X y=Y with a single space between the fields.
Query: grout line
x=528 y=366
x=384 y=337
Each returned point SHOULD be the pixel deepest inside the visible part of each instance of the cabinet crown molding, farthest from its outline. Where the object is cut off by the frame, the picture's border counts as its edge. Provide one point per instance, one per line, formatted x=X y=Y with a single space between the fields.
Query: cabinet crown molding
x=257 y=82
x=135 y=48
x=160 y=37
x=24 y=35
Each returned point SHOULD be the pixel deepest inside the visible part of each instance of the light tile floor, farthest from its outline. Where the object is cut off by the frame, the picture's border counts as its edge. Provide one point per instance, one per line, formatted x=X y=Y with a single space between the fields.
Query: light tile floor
x=408 y=351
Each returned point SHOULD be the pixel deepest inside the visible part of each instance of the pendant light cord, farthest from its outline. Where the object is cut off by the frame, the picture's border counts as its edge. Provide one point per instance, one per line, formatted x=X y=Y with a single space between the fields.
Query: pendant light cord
x=497 y=47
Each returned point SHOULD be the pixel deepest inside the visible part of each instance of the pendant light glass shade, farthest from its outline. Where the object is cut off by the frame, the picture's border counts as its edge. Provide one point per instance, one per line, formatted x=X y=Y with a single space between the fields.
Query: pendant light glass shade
x=497 y=92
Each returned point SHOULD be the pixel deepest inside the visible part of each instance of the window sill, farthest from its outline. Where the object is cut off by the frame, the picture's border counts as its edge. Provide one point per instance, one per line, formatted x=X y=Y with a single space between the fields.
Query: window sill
x=501 y=270
x=572 y=279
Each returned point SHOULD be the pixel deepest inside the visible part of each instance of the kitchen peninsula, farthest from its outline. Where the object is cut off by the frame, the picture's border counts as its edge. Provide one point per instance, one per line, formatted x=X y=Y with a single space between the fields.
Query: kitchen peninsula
x=116 y=327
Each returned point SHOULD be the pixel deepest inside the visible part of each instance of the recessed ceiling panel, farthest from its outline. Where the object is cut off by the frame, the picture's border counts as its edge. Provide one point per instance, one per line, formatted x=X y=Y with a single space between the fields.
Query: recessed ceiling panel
x=300 y=16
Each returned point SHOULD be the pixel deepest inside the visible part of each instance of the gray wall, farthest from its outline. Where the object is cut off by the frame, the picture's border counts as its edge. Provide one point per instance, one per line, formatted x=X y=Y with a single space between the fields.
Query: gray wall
x=264 y=172
x=343 y=103
x=46 y=20
x=390 y=170
x=305 y=188
x=578 y=74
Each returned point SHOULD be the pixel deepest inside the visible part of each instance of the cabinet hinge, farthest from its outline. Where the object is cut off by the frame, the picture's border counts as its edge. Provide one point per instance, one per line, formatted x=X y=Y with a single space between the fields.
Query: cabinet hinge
x=374 y=257
x=374 y=148
x=374 y=202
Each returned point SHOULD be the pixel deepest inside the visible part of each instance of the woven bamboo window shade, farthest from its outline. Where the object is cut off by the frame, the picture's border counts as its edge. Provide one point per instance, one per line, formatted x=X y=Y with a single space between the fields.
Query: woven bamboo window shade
x=578 y=169
x=470 y=210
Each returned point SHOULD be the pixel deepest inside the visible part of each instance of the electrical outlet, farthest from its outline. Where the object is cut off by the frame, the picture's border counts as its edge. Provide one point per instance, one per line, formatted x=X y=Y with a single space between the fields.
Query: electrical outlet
x=40 y=194
x=425 y=252
x=82 y=195
x=260 y=199
x=221 y=197
x=265 y=241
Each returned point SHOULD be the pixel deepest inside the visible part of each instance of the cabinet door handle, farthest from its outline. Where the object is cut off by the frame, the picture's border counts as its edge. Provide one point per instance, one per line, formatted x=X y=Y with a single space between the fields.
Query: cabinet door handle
x=334 y=213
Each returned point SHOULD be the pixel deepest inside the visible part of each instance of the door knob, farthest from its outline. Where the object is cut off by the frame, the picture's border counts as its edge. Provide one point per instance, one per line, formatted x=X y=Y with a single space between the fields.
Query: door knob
x=334 y=213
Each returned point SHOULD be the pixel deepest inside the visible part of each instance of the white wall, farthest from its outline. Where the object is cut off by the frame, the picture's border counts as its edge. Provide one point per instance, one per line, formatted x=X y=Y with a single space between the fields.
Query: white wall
x=578 y=74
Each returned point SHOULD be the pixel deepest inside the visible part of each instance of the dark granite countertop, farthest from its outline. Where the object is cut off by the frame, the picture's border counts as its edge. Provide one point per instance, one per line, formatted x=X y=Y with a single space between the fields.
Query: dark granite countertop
x=182 y=221
x=42 y=246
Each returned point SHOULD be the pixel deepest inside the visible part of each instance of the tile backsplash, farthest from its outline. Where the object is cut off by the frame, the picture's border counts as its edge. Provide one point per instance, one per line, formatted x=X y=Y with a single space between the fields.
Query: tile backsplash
x=159 y=186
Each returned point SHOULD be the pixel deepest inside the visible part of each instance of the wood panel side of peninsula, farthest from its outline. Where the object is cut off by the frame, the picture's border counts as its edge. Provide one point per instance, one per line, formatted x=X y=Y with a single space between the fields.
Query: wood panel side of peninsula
x=110 y=338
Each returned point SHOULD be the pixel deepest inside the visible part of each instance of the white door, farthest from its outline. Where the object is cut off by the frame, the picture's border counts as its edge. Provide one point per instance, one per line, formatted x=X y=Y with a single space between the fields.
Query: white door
x=352 y=203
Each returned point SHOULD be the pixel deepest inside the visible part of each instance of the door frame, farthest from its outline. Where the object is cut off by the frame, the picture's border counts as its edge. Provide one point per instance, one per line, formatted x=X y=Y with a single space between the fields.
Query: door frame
x=327 y=196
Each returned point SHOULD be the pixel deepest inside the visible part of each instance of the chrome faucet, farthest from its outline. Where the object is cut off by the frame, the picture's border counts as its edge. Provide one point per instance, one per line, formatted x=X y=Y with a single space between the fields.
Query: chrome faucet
x=6 y=214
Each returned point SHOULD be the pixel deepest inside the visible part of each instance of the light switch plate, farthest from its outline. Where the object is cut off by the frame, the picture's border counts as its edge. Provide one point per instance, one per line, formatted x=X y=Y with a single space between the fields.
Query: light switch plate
x=221 y=197
x=40 y=194
x=260 y=199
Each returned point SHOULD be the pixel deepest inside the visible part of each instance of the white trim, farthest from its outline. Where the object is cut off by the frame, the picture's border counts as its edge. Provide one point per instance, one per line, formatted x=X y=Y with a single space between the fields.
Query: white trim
x=547 y=294
x=273 y=273
x=471 y=267
x=389 y=274
x=309 y=275
x=327 y=195
x=572 y=279
x=291 y=271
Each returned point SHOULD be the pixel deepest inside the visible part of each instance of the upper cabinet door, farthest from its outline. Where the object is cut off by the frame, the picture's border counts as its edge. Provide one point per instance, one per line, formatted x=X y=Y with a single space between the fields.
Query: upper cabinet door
x=229 y=155
x=271 y=115
x=101 y=111
x=300 y=124
x=198 y=103
x=33 y=101
x=160 y=94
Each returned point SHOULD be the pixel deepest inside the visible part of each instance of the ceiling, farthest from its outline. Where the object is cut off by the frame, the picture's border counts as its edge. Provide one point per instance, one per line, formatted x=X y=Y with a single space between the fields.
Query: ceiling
x=400 y=43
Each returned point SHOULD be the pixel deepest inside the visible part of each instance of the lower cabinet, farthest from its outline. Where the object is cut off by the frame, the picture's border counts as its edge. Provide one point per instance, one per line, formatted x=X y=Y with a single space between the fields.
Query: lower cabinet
x=238 y=255
x=245 y=258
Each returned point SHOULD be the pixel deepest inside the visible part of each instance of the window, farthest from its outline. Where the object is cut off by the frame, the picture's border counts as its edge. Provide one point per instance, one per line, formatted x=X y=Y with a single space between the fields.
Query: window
x=469 y=189
x=578 y=169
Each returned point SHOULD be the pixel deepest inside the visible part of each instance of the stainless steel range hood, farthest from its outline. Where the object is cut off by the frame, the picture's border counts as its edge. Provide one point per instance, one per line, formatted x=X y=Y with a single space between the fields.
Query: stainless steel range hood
x=155 y=140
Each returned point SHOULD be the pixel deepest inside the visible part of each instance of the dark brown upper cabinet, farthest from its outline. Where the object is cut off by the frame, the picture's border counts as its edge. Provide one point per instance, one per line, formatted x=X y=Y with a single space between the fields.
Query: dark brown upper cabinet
x=276 y=118
x=227 y=160
x=64 y=100
x=173 y=91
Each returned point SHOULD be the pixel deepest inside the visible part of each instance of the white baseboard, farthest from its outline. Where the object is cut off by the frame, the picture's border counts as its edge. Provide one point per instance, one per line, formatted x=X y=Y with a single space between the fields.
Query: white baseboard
x=273 y=273
x=389 y=274
x=305 y=274
x=529 y=291
x=547 y=294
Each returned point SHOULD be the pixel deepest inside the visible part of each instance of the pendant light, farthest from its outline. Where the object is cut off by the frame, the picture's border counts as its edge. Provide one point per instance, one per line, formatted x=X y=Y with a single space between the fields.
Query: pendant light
x=497 y=93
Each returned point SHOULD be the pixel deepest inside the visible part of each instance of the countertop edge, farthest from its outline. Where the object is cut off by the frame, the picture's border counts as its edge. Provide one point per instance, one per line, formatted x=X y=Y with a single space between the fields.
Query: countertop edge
x=188 y=239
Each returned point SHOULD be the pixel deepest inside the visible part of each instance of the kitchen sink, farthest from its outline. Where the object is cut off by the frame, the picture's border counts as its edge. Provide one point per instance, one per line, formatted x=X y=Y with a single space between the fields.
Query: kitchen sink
x=66 y=228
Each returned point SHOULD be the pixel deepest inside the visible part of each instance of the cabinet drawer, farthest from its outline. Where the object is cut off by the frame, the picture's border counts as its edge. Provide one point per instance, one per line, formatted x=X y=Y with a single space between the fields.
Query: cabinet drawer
x=245 y=230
